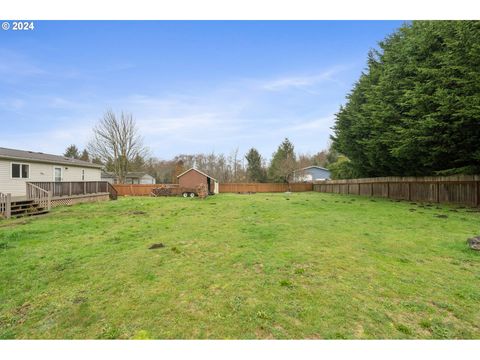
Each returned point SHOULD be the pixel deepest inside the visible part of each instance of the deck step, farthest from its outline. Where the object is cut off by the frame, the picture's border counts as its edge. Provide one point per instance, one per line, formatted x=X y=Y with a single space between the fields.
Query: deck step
x=22 y=202
x=22 y=208
x=25 y=214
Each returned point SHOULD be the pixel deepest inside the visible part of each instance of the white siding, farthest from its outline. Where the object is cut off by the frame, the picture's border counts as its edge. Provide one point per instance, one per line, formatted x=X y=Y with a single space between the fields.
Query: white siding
x=74 y=173
x=147 y=179
x=41 y=172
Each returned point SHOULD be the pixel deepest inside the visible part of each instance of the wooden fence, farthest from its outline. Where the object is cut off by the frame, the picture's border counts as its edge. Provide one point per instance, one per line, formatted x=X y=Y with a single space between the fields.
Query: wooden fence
x=146 y=190
x=263 y=187
x=142 y=189
x=460 y=189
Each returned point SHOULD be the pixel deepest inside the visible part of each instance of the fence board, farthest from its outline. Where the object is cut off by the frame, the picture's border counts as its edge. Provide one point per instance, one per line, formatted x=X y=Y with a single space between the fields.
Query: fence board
x=146 y=189
x=459 y=189
x=263 y=187
x=142 y=189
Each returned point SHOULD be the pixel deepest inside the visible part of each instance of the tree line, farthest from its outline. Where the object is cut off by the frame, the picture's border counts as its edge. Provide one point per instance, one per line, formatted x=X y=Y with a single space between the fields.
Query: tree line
x=117 y=144
x=415 y=111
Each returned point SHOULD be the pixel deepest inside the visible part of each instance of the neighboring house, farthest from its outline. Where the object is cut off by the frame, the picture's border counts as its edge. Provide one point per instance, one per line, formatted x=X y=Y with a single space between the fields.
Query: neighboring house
x=130 y=178
x=111 y=178
x=191 y=178
x=18 y=167
x=311 y=174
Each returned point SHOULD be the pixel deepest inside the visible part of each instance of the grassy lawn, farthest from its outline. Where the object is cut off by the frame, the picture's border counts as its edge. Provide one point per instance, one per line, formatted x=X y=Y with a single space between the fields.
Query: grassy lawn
x=307 y=265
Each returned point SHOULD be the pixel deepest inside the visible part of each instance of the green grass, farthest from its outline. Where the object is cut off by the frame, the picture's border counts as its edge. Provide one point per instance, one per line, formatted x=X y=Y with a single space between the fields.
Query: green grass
x=306 y=265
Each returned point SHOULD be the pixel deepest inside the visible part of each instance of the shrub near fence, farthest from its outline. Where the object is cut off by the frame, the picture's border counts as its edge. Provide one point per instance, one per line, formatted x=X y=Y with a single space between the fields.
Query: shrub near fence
x=263 y=187
x=460 y=189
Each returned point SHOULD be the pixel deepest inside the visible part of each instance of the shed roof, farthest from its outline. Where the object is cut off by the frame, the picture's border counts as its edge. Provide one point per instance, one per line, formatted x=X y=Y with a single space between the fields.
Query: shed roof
x=196 y=171
x=45 y=158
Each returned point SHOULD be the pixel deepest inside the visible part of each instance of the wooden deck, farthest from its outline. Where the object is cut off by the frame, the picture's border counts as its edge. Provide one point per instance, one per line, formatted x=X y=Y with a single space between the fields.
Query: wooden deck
x=45 y=195
x=24 y=198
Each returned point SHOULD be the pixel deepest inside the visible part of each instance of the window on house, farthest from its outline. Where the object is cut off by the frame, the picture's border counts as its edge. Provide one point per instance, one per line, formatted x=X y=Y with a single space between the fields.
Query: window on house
x=58 y=174
x=83 y=174
x=20 y=171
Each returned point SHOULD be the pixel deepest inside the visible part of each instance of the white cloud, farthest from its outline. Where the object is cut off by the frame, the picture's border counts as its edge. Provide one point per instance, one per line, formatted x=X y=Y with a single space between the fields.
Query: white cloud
x=321 y=124
x=14 y=66
x=301 y=82
x=243 y=113
x=12 y=104
x=53 y=141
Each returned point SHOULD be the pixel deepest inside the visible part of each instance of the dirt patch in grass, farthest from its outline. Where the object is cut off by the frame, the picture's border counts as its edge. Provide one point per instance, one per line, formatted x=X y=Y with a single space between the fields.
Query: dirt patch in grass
x=80 y=300
x=137 y=212
x=14 y=223
x=21 y=312
x=157 y=246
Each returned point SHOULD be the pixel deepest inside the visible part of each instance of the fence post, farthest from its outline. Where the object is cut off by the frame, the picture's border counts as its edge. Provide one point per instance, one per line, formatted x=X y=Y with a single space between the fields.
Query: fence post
x=388 y=190
x=371 y=189
x=84 y=188
x=70 y=188
x=96 y=187
x=438 y=192
x=477 y=193
x=409 y=192
x=8 y=205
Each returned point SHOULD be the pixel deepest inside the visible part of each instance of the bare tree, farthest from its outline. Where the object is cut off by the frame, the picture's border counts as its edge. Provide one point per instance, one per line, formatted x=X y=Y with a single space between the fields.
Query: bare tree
x=117 y=141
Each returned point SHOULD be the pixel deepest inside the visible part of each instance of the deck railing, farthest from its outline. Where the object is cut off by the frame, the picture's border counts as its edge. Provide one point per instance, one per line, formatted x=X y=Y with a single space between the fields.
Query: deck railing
x=72 y=188
x=39 y=195
x=5 y=205
x=113 y=192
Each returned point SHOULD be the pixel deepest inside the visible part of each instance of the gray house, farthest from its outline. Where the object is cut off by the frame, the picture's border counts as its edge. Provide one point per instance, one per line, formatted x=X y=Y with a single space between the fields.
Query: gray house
x=311 y=174
x=130 y=178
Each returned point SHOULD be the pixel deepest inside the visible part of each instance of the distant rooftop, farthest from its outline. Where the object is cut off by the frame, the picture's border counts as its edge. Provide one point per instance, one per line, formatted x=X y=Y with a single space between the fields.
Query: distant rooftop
x=313 y=166
x=26 y=155
x=132 y=174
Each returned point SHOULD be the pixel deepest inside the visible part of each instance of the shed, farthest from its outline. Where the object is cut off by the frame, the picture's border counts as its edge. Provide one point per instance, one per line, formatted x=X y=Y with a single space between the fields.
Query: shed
x=191 y=178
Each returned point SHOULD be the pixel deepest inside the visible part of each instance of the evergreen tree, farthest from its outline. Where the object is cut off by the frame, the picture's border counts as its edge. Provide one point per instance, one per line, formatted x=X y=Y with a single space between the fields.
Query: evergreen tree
x=342 y=168
x=72 y=152
x=137 y=164
x=85 y=156
x=255 y=170
x=283 y=163
x=415 y=110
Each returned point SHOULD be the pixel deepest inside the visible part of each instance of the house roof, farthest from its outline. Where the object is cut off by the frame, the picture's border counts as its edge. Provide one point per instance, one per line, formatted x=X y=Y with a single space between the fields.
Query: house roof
x=196 y=171
x=313 y=166
x=137 y=174
x=108 y=175
x=24 y=155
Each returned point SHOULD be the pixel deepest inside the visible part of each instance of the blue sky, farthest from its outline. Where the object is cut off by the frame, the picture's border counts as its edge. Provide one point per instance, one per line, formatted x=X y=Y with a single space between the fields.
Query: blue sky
x=192 y=86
